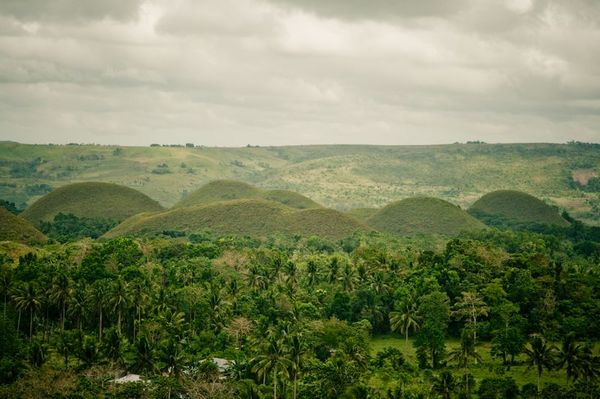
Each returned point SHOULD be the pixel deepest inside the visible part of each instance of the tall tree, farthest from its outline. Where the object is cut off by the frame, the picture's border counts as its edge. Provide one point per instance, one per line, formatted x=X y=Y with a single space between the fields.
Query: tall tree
x=540 y=355
x=60 y=293
x=471 y=306
x=27 y=298
x=405 y=320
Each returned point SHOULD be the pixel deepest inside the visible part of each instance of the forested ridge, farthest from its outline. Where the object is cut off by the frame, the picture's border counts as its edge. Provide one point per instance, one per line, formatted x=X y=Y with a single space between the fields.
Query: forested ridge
x=491 y=314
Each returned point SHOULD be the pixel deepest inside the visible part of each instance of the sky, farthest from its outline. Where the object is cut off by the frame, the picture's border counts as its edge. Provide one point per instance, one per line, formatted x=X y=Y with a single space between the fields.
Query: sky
x=289 y=72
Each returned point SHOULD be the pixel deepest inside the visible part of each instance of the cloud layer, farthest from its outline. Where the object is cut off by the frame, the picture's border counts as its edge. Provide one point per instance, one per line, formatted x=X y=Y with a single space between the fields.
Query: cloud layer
x=272 y=72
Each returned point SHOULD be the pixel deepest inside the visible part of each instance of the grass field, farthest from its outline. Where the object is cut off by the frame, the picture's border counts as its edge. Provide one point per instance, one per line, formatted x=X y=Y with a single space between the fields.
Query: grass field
x=489 y=368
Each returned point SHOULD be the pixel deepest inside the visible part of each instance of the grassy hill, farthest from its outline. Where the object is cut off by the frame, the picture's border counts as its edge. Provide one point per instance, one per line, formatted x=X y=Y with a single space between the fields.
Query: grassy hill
x=362 y=214
x=225 y=190
x=515 y=207
x=92 y=200
x=15 y=228
x=337 y=176
x=423 y=215
x=251 y=217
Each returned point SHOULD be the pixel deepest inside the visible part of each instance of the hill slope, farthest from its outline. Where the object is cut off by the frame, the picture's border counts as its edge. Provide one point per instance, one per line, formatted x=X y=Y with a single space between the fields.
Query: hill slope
x=515 y=207
x=249 y=217
x=226 y=190
x=93 y=200
x=15 y=228
x=423 y=215
x=336 y=176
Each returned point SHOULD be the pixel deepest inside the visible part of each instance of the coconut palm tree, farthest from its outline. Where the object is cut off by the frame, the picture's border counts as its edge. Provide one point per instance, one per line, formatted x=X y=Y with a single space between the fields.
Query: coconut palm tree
x=405 y=321
x=120 y=298
x=273 y=360
x=444 y=384
x=297 y=348
x=97 y=300
x=572 y=357
x=27 y=298
x=60 y=293
x=463 y=353
x=540 y=355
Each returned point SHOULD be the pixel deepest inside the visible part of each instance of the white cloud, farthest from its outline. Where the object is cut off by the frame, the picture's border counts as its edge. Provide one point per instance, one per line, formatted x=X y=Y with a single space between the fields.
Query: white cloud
x=232 y=72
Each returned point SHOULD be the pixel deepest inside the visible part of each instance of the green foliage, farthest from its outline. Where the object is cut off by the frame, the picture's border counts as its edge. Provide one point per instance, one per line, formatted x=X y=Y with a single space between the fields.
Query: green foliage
x=70 y=227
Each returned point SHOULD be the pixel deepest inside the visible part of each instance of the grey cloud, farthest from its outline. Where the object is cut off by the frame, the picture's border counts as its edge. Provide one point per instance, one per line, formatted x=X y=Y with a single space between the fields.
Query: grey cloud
x=70 y=10
x=376 y=9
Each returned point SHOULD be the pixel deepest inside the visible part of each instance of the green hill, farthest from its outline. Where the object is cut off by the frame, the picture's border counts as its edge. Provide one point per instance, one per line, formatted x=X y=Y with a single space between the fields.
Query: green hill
x=509 y=207
x=336 y=176
x=15 y=228
x=248 y=217
x=92 y=200
x=226 y=190
x=362 y=214
x=423 y=215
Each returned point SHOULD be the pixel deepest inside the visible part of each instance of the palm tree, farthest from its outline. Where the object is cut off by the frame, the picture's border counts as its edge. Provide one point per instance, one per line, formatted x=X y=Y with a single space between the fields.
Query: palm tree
x=297 y=348
x=144 y=356
x=97 y=299
x=77 y=305
x=119 y=298
x=464 y=352
x=444 y=384
x=61 y=292
x=272 y=360
x=539 y=355
x=312 y=273
x=571 y=356
x=405 y=321
x=348 y=277
x=6 y=283
x=26 y=298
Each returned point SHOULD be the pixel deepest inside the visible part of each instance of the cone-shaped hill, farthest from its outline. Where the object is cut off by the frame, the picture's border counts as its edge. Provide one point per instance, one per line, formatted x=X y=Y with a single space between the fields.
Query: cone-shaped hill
x=423 y=215
x=93 y=200
x=15 y=228
x=247 y=217
x=511 y=208
x=226 y=190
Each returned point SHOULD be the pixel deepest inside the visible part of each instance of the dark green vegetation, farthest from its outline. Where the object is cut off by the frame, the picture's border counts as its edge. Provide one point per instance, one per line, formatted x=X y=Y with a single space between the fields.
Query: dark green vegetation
x=15 y=228
x=226 y=190
x=69 y=227
x=490 y=314
x=509 y=208
x=246 y=217
x=90 y=200
x=423 y=215
x=340 y=177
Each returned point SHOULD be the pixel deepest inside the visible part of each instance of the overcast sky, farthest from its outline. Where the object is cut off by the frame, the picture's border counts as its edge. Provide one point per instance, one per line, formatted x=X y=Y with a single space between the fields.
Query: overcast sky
x=274 y=72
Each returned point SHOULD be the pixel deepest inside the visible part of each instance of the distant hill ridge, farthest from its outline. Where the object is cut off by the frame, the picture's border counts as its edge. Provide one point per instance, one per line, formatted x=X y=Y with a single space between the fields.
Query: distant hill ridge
x=513 y=207
x=93 y=200
x=225 y=190
x=423 y=215
x=246 y=217
x=15 y=228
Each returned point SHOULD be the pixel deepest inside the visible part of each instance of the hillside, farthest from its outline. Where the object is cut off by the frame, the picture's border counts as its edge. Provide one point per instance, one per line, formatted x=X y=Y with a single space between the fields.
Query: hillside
x=247 y=217
x=337 y=176
x=515 y=207
x=423 y=215
x=15 y=228
x=92 y=200
x=225 y=190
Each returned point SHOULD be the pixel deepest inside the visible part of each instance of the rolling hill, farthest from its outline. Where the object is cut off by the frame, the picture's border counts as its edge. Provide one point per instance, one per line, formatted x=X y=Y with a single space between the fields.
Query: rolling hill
x=92 y=200
x=225 y=190
x=510 y=207
x=336 y=176
x=15 y=228
x=247 y=217
x=423 y=215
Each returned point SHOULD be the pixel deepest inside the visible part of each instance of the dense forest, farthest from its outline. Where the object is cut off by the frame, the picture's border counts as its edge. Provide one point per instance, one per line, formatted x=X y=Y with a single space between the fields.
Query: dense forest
x=488 y=314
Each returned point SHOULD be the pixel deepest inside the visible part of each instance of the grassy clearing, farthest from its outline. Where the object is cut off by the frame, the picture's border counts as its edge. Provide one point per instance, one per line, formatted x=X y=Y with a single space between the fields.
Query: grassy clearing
x=489 y=368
